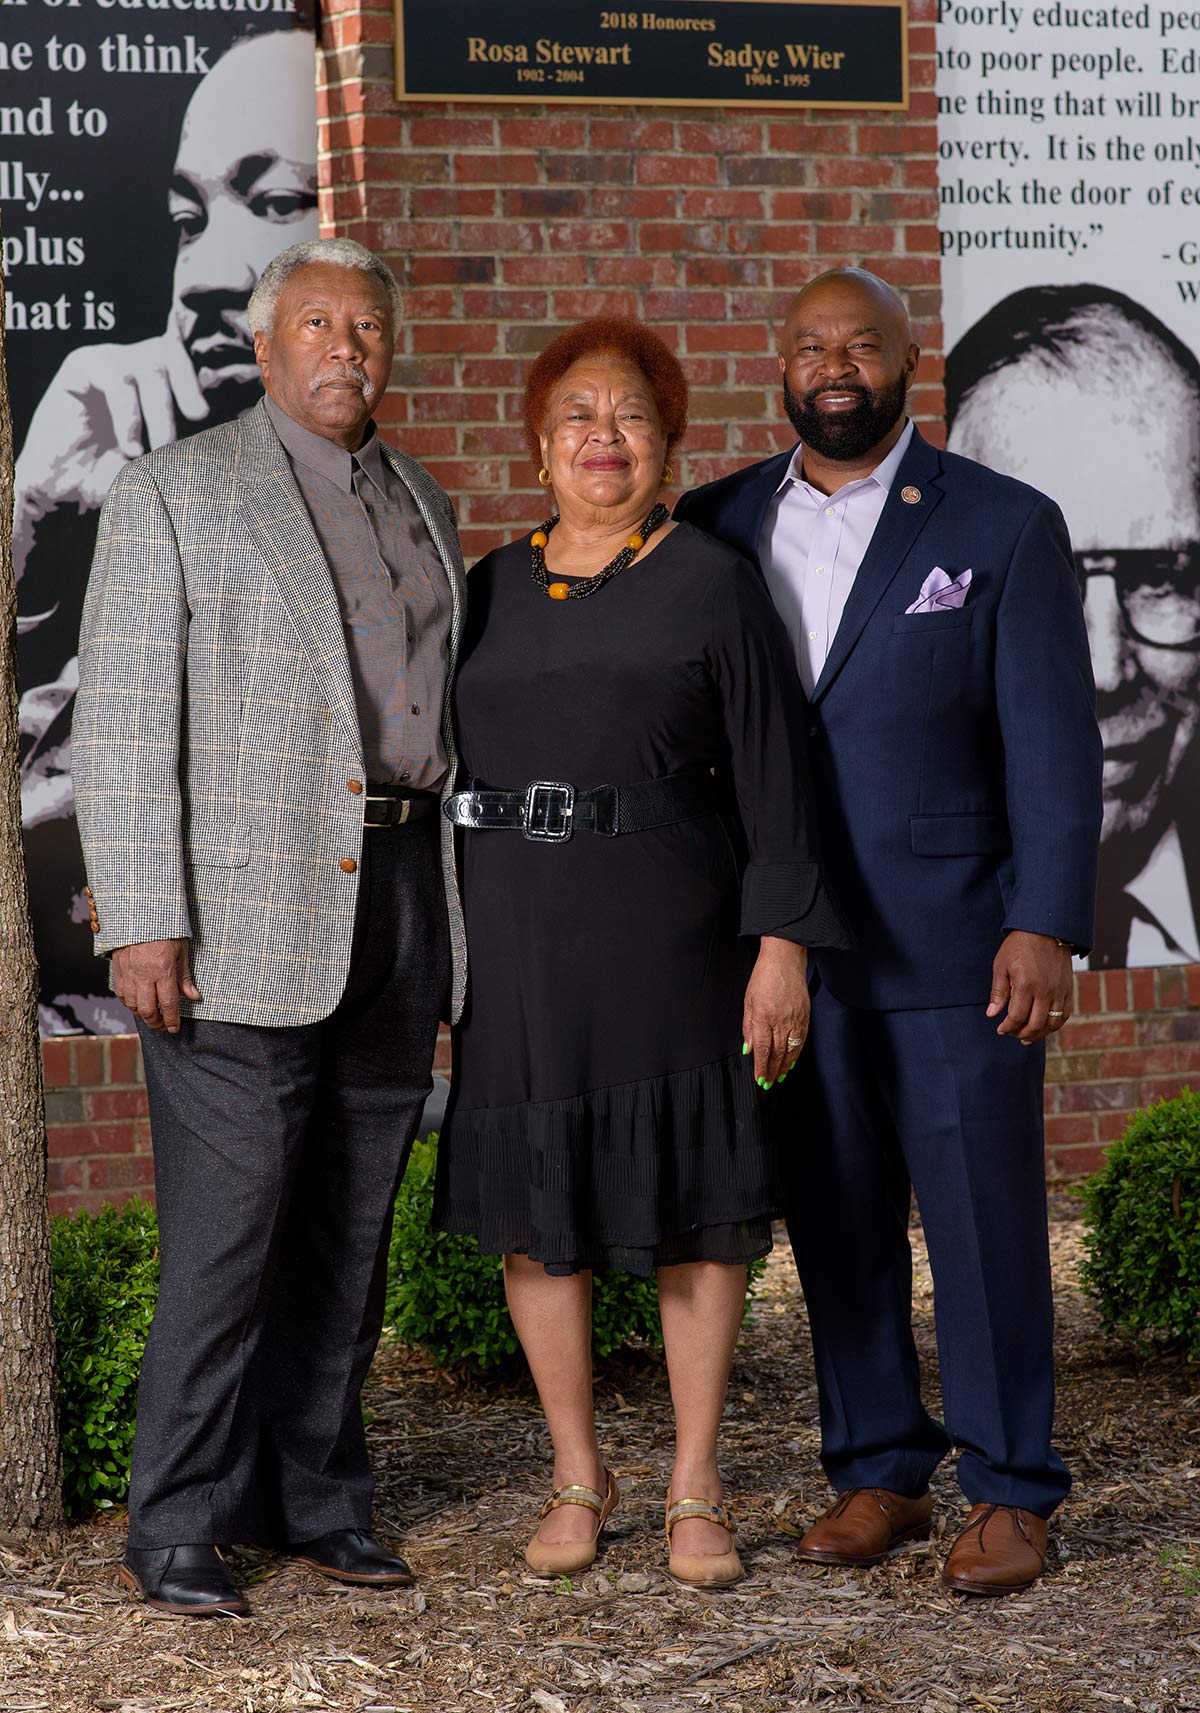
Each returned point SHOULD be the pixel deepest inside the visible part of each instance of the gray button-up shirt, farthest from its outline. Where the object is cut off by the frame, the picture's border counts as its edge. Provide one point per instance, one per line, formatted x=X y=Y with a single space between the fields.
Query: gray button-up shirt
x=395 y=601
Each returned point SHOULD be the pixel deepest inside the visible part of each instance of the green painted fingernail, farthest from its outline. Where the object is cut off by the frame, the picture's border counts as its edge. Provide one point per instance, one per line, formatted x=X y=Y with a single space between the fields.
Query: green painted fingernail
x=760 y=1082
x=769 y=1085
x=745 y=1048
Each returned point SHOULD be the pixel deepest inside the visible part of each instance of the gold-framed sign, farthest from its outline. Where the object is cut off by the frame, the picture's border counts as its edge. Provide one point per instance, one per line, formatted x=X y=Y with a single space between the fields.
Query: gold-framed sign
x=660 y=53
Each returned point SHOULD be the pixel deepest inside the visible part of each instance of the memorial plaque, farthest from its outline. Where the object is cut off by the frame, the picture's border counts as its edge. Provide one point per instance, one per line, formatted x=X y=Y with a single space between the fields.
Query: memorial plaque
x=669 y=53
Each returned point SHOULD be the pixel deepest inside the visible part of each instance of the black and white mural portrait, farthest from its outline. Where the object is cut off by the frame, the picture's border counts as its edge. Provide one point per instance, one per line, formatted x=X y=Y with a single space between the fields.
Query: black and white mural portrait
x=146 y=178
x=1082 y=392
x=1070 y=219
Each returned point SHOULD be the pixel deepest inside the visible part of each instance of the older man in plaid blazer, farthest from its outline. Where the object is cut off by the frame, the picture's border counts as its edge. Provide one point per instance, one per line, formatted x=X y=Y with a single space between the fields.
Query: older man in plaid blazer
x=261 y=741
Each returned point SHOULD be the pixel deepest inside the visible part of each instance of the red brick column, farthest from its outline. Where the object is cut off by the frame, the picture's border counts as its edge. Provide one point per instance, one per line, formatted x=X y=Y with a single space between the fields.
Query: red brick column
x=505 y=222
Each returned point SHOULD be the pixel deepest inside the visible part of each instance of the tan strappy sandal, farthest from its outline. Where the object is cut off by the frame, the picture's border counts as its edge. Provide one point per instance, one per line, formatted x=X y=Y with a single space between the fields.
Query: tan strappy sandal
x=565 y=1558
x=703 y=1569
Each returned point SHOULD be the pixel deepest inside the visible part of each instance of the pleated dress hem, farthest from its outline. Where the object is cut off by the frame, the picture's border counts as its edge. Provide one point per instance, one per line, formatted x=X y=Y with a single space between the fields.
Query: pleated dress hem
x=659 y=1172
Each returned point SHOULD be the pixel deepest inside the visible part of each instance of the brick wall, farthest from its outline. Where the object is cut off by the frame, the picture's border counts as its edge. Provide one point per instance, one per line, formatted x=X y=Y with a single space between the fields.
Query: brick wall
x=97 y=1131
x=506 y=222
x=97 y=1128
x=1135 y=1038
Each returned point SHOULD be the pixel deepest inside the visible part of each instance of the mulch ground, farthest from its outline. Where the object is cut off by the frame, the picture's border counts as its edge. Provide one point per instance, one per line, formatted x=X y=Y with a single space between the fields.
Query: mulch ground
x=1115 y=1623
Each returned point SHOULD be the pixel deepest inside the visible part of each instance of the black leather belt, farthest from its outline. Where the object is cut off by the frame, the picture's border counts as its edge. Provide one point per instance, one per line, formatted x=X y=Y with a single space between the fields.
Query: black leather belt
x=383 y=807
x=549 y=811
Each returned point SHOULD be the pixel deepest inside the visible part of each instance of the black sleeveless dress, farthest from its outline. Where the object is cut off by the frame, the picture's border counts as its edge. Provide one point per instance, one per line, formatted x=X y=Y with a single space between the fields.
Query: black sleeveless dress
x=602 y=1114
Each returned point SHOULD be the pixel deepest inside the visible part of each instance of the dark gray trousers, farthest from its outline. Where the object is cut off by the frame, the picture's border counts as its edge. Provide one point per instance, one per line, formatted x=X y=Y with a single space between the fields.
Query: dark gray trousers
x=277 y=1154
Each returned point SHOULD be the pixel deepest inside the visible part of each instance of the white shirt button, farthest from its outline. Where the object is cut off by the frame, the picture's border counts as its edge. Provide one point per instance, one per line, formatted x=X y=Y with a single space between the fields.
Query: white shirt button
x=820 y=570
x=828 y=511
x=812 y=636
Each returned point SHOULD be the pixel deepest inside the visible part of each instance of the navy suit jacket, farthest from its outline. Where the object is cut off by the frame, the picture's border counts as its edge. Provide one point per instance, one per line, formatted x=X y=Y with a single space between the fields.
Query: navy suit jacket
x=956 y=753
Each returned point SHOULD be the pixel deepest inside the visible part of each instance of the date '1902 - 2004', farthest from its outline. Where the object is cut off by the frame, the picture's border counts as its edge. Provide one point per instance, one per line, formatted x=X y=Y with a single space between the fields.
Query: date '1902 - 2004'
x=535 y=74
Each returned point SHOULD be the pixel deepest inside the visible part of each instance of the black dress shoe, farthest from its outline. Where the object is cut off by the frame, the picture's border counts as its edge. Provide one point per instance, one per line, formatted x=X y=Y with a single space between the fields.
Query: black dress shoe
x=191 y=1581
x=349 y=1555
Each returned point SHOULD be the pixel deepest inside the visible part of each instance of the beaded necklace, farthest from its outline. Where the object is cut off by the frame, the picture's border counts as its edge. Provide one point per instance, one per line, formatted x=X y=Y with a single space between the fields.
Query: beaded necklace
x=585 y=586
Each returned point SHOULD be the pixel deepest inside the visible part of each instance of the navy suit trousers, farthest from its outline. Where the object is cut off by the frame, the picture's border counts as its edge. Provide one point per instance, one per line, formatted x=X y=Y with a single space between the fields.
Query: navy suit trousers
x=277 y=1154
x=891 y=1102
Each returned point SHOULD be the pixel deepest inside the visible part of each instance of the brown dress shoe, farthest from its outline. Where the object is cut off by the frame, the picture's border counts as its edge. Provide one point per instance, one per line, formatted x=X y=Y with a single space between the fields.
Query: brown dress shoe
x=863 y=1526
x=1001 y=1550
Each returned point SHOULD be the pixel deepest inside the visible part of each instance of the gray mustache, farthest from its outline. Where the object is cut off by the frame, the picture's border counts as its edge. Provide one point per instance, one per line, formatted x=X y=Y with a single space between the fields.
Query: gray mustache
x=346 y=372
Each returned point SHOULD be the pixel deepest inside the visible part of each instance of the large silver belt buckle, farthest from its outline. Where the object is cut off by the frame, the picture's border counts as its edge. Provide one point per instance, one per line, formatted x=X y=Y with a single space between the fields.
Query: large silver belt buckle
x=549 y=806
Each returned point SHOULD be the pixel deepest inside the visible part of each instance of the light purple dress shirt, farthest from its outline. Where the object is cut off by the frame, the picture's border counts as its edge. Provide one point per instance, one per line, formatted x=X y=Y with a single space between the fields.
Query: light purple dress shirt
x=811 y=547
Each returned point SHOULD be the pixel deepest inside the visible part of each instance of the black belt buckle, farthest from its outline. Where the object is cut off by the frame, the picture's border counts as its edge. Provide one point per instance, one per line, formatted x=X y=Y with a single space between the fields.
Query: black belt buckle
x=395 y=814
x=549 y=807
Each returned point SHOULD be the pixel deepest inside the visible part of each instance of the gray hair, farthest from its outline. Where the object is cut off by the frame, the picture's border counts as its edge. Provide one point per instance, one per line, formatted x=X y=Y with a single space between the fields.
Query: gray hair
x=335 y=252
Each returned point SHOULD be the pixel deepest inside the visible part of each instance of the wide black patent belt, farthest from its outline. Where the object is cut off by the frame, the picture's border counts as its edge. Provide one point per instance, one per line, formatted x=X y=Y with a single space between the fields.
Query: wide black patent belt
x=549 y=810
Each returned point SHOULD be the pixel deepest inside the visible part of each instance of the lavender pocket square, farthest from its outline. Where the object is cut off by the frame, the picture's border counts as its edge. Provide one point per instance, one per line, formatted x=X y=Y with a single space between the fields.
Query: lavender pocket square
x=940 y=592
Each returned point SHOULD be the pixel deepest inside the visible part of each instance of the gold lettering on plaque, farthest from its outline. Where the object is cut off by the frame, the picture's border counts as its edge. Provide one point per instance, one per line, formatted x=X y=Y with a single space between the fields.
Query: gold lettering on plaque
x=482 y=52
x=811 y=56
x=582 y=53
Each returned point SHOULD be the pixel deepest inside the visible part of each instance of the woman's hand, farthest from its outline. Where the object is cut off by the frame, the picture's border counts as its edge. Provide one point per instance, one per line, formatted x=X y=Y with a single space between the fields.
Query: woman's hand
x=776 y=1009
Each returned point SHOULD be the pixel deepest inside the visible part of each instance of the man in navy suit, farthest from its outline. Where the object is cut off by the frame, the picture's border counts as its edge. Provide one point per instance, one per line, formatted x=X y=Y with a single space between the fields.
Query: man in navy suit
x=939 y=633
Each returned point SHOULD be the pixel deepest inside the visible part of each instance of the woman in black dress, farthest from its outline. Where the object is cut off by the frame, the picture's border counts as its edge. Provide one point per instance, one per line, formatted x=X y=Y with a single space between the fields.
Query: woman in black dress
x=636 y=984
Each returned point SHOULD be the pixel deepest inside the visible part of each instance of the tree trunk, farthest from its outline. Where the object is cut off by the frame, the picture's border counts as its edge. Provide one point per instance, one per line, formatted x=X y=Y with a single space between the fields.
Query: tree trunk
x=30 y=1461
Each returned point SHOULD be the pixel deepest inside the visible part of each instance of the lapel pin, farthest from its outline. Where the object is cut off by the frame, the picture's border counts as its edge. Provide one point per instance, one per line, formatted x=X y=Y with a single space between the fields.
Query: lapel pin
x=911 y=496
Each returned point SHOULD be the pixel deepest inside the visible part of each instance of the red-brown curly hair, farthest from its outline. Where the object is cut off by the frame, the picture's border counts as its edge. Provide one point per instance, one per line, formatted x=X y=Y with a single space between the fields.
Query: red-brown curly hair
x=619 y=336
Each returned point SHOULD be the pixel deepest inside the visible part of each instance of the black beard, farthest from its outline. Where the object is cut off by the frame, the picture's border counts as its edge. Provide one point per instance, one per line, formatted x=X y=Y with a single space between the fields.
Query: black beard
x=852 y=433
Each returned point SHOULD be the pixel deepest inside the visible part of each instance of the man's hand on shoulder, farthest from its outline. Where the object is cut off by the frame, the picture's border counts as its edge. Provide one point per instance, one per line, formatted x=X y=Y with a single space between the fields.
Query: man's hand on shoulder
x=149 y=979
x=1032 y=978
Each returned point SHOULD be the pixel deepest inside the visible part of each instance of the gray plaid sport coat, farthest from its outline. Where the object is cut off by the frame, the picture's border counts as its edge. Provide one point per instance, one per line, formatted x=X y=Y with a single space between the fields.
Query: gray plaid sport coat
x=215 y=726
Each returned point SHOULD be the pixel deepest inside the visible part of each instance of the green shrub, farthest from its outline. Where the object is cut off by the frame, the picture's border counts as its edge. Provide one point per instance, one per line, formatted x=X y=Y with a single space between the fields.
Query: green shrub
x=447 y=1297
x=1143 y=1212
x=441 y=1292
x=105 y=1285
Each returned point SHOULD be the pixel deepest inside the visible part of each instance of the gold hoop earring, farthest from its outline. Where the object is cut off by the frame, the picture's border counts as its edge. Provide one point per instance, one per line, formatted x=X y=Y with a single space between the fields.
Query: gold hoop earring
x=667 y=473
x=544 y=477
